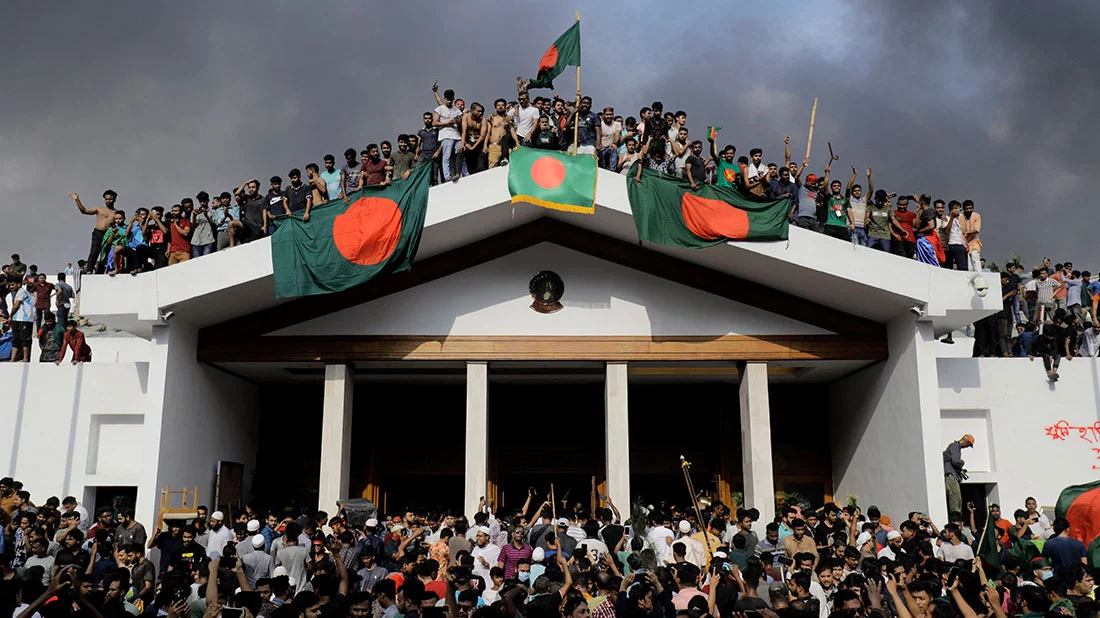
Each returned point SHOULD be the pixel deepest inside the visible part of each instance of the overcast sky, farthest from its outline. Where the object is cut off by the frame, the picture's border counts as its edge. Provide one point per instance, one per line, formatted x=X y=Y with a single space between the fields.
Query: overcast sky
x=978 y=99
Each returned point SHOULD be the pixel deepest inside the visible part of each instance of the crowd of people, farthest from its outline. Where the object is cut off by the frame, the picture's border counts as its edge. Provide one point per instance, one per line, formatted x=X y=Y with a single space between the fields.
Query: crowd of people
x=32 y=308
x=549 y=561
x=457 y=141
x=1049 y=313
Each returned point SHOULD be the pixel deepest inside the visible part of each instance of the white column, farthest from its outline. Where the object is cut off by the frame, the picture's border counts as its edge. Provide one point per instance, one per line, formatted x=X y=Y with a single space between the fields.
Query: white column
x=756 y=439
x=617 y=435
x=477 y=435
x=336 y=436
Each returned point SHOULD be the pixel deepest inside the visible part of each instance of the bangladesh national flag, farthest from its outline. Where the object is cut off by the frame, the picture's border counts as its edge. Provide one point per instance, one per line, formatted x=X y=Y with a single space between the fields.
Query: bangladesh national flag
x=1080 y=505
x=668 y=212
x=565 y=52
x=343 y=245
x=989 y=548
x=552 y=179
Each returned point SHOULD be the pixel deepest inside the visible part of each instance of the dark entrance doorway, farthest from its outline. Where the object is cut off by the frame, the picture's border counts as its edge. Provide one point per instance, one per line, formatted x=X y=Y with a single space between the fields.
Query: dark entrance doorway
x=542 y=433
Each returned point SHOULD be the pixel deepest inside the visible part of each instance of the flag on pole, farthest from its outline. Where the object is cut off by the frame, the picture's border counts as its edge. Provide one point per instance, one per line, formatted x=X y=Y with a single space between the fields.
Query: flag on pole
x=565 y=52
x=989 y=548
x=377 y=233
x=712 y=132
x=553 y=179
x=668 y=212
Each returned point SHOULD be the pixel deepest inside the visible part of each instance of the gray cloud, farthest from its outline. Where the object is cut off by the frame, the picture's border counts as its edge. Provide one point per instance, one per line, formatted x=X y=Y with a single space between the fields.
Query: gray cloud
x=985 y=100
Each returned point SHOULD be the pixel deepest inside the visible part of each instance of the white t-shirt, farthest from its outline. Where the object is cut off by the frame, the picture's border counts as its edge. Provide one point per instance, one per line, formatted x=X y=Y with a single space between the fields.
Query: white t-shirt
x=951 y=553
x=594 y=548
x=657 y=536
x=445 y=114
x=490 y=552
x=526 y=117
x=954 y=233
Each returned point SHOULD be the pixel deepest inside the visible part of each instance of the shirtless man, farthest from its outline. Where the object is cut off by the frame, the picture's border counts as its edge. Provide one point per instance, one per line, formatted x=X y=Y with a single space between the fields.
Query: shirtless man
x=317 y=184
x=473 y=138
x=103 y=217
x=499 y=125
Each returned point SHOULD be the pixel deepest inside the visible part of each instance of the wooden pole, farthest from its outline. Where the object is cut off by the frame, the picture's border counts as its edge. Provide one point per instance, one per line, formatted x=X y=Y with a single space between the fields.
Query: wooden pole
x=810 y=139
x=577 y=118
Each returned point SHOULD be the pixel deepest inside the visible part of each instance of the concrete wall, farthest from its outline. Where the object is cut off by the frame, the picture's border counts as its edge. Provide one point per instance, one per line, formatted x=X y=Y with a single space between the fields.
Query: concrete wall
x=1008 y=405
x=69 y=428
x=600 y=298
x=207 y=416
x=878 y=420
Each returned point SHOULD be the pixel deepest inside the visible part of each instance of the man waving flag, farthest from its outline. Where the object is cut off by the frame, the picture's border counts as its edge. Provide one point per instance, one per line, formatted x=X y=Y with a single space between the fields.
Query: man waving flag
x=565 y=52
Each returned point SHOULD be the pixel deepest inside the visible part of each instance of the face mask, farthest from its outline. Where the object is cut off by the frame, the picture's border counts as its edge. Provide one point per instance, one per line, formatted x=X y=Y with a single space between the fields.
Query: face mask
x=1046 y=575
x=523 y=576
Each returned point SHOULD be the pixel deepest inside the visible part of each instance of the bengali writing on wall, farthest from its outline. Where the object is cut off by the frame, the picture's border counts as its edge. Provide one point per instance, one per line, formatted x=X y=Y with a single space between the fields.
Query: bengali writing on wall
x=1062 y=430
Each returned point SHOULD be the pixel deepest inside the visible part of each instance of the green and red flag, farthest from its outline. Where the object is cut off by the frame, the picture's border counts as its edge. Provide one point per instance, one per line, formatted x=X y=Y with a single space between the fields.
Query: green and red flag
x=712 y=132
x=565 y=52
x=989 y=548
x=668 y=212
x=342 y=245
x=1080 y=505
x=552 y=179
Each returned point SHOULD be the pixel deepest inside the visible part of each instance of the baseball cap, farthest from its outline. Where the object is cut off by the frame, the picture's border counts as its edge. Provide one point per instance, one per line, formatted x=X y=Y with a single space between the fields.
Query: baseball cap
x=811 y=178
x=969 y=438
x=562 y=522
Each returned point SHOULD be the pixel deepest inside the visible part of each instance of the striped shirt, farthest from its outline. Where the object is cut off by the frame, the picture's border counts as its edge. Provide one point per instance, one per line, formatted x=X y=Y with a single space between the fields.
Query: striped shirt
x=1045 y=289
x=510 y=556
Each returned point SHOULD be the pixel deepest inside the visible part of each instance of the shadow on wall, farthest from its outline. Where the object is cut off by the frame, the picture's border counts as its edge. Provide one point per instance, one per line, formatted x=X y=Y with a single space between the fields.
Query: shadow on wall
x=958 y=373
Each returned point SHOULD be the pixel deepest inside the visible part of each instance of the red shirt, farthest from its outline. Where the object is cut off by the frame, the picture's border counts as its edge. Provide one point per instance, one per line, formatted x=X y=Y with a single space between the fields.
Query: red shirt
x=905 y=220
x=375 y=172
x=75 y=339
x=42 y=295
x=179 y=243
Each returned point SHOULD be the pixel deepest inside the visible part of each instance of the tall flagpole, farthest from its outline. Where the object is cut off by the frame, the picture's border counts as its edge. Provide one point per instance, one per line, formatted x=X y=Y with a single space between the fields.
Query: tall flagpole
x=577 y=120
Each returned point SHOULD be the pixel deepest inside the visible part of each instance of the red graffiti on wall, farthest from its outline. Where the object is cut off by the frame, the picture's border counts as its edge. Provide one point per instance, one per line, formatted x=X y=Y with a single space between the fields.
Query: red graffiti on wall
x=1089 y=433
x=1062 y=429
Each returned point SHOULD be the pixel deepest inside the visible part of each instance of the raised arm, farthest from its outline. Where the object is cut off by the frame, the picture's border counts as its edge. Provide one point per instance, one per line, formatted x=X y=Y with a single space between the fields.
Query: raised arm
x=435 y=93
x=80 y=205
x=801 y=168
x=851 y=181
x=870 y=183
x=786 y=150
x=615 y=510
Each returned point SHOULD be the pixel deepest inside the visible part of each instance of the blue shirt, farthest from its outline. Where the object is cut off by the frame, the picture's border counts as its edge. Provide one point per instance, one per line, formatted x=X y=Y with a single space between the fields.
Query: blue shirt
x=332 y=181
x=137 y=238
x=222 y=221
x=1063 y=551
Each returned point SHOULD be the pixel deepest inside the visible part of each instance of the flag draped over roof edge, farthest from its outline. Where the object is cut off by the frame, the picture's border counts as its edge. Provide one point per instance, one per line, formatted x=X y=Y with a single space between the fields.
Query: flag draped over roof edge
x=668 y=212
x=343 y=245
x=552 y=179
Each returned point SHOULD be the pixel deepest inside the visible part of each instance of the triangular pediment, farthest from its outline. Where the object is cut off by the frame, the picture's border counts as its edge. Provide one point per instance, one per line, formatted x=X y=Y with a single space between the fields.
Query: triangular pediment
x=601 y=298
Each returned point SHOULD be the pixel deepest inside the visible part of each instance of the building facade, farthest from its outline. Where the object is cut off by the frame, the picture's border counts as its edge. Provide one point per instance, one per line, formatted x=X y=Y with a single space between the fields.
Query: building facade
x=808 y=366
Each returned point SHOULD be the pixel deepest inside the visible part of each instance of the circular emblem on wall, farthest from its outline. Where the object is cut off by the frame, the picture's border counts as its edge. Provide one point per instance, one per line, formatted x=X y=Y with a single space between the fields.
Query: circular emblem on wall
x=546 y=289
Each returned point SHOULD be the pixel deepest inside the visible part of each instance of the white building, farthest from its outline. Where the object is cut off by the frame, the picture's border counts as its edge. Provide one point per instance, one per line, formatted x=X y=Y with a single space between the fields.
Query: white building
x=442 y=384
